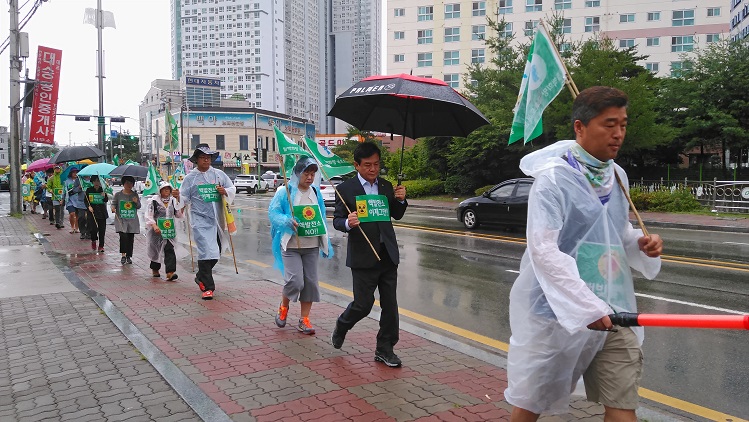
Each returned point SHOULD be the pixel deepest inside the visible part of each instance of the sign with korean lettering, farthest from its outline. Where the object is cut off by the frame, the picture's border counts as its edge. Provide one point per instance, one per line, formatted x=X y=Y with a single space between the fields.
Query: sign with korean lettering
x=44 y=109
x=371 y=208
x=208 y=193
x=128 y=210
x=166 y=226
x=310 y=220
x=96 y=198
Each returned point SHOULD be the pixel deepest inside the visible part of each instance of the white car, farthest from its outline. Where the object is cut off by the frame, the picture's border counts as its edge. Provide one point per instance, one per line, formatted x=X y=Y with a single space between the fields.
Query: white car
x=250 y=183
x=327 y=191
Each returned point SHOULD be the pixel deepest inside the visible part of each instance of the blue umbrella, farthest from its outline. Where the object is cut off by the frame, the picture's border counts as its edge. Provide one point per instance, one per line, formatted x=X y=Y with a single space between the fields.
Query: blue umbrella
x=68 y=169
x=99 y=169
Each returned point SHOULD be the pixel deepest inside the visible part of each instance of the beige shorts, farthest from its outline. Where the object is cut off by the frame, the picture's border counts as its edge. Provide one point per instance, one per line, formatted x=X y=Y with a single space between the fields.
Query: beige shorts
x=613 y=377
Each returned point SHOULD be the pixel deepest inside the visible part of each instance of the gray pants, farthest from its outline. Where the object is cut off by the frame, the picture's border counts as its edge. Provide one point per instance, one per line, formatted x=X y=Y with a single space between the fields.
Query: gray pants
x=300 y=274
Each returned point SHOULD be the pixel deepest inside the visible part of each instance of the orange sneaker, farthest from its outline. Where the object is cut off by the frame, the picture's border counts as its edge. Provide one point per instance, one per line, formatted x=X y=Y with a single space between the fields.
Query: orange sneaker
x=283 y=311
x=208 y=295
x=305 y=327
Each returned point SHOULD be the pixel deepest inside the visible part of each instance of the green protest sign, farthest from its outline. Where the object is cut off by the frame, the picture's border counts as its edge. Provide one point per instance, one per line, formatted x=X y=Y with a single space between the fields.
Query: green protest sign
x=310 y=220
x=127 y=209
x=370 y=208
x=57 y=194
x=604 y=269
x=25 y=190
x=96 y=198
x=209 y=193
x=166 y=225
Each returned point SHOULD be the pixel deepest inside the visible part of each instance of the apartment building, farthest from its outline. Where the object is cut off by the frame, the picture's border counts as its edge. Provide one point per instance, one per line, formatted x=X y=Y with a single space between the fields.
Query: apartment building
x=739 y=19
x=441 y=38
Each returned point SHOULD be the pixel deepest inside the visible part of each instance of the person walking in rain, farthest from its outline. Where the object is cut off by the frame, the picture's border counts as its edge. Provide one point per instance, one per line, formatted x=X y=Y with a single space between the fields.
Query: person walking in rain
x=367 y=272
x=56 y=191
x=204 y=189
x=28 y=199
x=296 y=250
x=163 y=205
x=74 y=201
x=97 y=206
x=125 y=206
x=576 y=271
x=42 y=195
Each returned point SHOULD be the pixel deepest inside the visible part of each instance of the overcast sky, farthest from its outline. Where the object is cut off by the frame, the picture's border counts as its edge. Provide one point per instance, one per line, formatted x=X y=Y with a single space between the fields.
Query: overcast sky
x=137 y=52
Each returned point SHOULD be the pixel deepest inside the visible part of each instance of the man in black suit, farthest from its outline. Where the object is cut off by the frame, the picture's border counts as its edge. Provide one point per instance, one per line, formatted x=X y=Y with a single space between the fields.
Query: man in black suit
x=372 y=201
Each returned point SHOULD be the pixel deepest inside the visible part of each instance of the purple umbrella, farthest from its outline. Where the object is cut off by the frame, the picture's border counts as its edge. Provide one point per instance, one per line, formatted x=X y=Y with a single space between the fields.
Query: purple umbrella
x=39 y=165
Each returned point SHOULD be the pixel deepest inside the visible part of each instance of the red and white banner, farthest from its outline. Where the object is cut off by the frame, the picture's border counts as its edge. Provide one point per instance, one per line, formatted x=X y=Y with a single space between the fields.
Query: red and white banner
x=44 y=110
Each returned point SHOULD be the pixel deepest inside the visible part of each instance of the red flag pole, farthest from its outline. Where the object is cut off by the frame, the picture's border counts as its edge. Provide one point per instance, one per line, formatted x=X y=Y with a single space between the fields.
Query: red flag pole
x=725 y=322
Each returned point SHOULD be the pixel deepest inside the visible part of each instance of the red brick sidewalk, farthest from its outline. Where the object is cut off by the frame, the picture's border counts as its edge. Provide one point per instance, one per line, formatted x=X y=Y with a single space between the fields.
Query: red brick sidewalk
x=231 y=348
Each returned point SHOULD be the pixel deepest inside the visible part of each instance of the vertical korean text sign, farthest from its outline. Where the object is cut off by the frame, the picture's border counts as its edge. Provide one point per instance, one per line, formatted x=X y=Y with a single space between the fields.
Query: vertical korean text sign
x=44 y=110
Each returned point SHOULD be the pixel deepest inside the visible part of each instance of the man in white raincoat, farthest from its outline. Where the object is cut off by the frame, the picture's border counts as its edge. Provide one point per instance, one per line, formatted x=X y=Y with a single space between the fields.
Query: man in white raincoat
x=203 y=189
x=576 y=271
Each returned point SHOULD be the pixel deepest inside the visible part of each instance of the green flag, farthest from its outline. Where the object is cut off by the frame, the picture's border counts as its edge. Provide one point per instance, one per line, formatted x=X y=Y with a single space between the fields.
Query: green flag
x=116 y=160
x=286 y=146
x=331 y=164
x=152 y=181
x=172 y=138
x=178 y=176
x=543 y=79
x=105 y=186
x=130 y=162
x=85 y=184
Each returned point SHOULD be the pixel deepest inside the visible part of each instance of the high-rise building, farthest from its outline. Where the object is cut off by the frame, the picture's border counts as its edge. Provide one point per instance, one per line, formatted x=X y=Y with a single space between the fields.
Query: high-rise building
x=739 y=19
x=351 y=46
x=265 y=51
x=441 y=39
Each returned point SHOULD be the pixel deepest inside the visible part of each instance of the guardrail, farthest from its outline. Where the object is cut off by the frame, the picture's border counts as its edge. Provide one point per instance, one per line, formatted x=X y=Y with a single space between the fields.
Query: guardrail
x=719 y=195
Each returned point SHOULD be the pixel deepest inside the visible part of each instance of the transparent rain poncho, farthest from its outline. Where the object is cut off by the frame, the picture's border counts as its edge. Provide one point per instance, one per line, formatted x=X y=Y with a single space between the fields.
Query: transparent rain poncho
x=575 y=271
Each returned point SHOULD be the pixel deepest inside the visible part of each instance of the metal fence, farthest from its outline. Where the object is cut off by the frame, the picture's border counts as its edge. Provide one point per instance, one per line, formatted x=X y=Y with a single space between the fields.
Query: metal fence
x=719 y=195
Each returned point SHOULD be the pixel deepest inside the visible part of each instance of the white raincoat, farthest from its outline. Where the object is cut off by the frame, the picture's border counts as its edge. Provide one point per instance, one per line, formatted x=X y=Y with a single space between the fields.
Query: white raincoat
x=155 y=209
x=207 y=218
x=575 y=271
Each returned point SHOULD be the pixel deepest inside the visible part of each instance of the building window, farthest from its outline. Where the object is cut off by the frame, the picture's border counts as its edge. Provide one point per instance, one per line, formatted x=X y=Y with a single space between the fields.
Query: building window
x=592 y=3
x=244 y=143
x=399 y=58
x=567 y=26
x=653 y=67
x=424 y=36
x=682 y=44
x=592 y=24
x=565 y=46
x=452 y=58
x=652 y=42
x=399 y=35
x=713 y=11
x=678 y=67
x=712 y=38
x=195 y=141
x=426 y=13
x=399 y=12
x=478 y=55
x=533 y=5
x=562 y=4
x=682 y=18
x=220 y=142
x=529 y=27
x=626 y=43
x=452 y=34
x=424 y=59
x=478 y=8
x=505 y=7
x=478 y=32
x=626 y=18
x=452 y=79
x=507 y=32
x=654 y=16
x=452 y=10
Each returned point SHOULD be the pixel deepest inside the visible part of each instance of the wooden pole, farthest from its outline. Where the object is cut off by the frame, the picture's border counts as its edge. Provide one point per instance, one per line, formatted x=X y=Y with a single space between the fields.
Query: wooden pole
x=225 y=204
x=189 y=237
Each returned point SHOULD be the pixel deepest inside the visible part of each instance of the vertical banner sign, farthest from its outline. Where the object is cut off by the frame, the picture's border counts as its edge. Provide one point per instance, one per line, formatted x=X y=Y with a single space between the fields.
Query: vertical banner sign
x=44 y=109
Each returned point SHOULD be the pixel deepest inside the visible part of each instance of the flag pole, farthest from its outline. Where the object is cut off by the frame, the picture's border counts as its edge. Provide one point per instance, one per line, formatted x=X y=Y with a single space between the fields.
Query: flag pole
x=189 y=237
x=231 y=242
x=574 y=91
x=288 y=195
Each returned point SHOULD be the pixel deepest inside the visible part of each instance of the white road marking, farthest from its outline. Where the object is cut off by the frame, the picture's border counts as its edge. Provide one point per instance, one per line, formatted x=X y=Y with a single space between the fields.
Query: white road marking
x=697 y=305
x=735 y=243
x=513 y=271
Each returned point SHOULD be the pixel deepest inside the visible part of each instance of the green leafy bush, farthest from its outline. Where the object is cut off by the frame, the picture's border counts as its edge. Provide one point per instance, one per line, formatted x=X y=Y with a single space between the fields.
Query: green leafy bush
x=460 y=184
x=480 y=191
x=423 y=187
x=680 y=200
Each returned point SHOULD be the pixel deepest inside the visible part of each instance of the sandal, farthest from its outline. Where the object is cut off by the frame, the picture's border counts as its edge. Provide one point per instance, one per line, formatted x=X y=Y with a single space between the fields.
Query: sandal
x=171 y=277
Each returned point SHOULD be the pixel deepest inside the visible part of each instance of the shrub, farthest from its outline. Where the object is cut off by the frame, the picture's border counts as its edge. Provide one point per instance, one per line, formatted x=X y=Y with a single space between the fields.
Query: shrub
x=480 y=191
x=423 y=187
x=460 y=184
x=680 y=200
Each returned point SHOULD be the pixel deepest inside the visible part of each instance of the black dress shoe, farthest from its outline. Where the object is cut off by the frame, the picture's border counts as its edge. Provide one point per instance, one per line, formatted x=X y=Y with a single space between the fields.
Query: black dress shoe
x=337 y=338
x=123 y=260
x=388 y=358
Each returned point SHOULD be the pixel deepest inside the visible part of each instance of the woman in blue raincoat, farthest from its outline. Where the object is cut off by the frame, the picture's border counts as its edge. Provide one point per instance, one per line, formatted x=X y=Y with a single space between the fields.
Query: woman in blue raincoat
x=300 y=236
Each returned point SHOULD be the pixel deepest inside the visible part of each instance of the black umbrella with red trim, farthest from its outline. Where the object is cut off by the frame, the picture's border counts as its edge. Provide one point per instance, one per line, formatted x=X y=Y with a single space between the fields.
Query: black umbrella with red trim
x=407 y=105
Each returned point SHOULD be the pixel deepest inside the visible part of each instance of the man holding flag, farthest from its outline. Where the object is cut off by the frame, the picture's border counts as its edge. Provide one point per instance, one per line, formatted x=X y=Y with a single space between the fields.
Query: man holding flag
x=205 y=189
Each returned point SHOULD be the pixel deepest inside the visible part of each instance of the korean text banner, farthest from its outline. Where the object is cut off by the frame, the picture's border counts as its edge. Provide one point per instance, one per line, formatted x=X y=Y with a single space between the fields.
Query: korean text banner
x=44 y=109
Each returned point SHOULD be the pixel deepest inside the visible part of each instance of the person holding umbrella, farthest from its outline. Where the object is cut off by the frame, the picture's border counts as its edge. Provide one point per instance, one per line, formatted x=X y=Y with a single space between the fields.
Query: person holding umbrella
x=204 y=189
x=378 y=201
x=74 y=201
x=164 y=205
x=97 y=206
x=125 y=206
x=42 y=195
x=56 y=189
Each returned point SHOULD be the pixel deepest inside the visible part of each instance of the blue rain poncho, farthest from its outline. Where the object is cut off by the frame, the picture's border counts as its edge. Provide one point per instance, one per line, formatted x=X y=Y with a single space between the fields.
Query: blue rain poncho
x=575 y=271
x=280 y=216
x=207 y=218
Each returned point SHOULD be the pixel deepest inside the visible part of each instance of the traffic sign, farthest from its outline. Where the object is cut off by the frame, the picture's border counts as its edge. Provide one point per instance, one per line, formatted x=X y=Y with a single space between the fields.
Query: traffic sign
x=113 y=134
x=117 y=119
x=82 y=118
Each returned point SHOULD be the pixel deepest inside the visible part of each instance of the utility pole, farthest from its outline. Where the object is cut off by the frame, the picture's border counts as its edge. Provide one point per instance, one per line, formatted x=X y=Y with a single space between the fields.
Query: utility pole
x=14 y=95
x=100 y=75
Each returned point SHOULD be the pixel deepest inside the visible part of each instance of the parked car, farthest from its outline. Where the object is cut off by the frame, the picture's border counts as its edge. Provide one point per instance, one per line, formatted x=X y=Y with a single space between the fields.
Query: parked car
x=274 y=180
x=327 y=191
x=4 y=182
x=505 y=204
x=250 y=183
